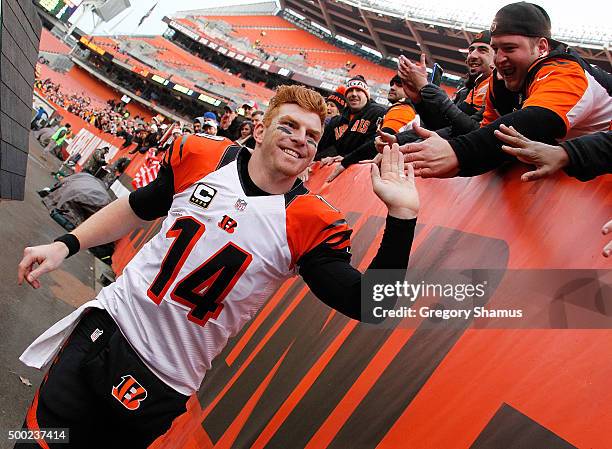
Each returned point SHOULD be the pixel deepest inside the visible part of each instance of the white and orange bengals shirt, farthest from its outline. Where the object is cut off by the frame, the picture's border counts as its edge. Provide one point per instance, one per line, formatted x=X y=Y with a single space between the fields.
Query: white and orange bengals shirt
x=568 y=90
x=218 y=257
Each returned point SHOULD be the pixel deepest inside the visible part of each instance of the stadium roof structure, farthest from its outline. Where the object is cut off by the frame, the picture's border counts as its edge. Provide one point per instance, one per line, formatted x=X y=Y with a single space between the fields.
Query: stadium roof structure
x=388 y=31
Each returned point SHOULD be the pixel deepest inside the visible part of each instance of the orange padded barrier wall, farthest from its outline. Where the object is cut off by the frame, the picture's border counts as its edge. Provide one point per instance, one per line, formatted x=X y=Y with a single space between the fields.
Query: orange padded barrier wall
x=301 y=375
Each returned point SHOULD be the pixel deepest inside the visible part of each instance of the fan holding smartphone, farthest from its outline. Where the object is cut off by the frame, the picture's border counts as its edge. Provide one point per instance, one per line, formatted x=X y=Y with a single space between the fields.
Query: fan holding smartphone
x=414 y=76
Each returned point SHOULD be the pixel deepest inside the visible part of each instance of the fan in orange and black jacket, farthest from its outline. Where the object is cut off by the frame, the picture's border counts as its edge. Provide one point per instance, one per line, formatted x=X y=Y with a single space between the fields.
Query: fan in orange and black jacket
x=546 y=92
x=464 y=113
x=470 y=98
x=560 y=97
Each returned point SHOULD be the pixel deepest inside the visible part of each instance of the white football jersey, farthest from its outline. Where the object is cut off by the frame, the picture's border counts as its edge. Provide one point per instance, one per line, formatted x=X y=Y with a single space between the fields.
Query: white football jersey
x=218 y=257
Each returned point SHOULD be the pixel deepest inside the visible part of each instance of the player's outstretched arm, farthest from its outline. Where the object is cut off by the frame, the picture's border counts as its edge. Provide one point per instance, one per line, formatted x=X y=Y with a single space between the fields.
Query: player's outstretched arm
x=327 y=269
x=107 y=225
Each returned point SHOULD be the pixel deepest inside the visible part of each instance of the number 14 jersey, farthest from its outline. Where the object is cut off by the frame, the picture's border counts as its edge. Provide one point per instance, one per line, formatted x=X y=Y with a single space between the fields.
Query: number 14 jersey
x=220 y=254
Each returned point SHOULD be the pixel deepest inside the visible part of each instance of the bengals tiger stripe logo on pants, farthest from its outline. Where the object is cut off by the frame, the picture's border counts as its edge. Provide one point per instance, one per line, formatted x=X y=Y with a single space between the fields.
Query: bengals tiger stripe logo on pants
x=129 y=392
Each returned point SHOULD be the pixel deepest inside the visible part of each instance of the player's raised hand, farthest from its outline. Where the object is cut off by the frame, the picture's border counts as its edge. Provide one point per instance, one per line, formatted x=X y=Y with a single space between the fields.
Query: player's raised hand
x=395 y=186
x=38 y=260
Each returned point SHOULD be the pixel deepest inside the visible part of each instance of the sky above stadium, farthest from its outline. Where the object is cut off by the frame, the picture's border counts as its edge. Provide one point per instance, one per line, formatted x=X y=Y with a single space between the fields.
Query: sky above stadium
x=564 y=13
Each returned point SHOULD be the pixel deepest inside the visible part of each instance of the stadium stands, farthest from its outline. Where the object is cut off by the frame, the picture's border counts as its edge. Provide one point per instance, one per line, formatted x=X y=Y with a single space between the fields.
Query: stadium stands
x=181 y=60
x=51 y=44
x=276 y=36
x=158 y=56
x=77 y=81
x=273 y=39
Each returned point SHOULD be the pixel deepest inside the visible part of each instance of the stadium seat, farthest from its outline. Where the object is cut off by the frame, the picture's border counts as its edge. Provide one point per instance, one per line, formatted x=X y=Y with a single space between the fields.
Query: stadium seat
x=276 y=36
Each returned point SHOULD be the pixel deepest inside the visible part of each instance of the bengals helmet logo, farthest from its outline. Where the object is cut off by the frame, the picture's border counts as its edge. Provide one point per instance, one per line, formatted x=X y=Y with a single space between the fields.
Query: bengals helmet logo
x=228 y=224
x=129 y=392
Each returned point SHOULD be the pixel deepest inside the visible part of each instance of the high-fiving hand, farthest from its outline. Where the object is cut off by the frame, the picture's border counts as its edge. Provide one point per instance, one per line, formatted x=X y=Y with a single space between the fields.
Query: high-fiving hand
x=413 y=75
x=548 y=159
x=431 y=158
x=383 y=139
x=394 y=184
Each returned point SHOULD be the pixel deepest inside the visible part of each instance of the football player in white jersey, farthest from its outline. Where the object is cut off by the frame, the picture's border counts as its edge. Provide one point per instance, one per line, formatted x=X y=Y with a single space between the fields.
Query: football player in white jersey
x=236 y=225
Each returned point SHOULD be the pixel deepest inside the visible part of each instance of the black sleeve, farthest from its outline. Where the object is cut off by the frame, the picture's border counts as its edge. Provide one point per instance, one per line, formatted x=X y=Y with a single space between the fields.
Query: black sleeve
x=480 y=151
x=155 y=199
x=367 y=149
x=432 y=107
x=438 y=111
x=333 y=279
x=407 y=137
x=326 y=146
x=590 y=156
x=467 y=108
x=363 y=152
x=467 y=122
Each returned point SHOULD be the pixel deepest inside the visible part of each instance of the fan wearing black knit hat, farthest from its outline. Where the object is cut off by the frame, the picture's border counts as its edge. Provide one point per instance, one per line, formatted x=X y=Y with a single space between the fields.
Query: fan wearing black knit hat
x=541 y=87
x=336 y=104
x=400 y=117
x=355 y=127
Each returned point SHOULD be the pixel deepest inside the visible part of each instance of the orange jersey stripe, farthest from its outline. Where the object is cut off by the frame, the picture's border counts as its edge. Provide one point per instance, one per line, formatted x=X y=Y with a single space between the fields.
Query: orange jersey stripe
x=490 y=113
x=195 y=156
x=312 y=221
x=32 y=421
x=558 y=86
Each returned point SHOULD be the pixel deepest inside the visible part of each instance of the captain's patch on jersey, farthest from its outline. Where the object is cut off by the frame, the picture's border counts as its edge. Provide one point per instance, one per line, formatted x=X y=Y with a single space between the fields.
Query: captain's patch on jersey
x=202 y=195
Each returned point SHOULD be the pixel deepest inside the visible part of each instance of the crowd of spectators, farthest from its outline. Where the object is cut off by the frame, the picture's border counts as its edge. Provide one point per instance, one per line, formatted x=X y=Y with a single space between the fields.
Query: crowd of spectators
x=521 y=87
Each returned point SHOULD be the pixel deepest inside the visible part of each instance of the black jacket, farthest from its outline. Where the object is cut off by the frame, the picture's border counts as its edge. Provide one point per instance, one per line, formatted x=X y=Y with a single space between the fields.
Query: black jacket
x=440 y=114
x=438 y=111
x=589 y=155
x=347 y=132
x=480 y=151
x=464 y=91
x=368 y=149
x=233 y=131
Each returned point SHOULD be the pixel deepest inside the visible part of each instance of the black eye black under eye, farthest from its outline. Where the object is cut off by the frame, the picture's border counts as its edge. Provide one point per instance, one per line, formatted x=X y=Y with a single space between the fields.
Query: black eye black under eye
x=284 y=129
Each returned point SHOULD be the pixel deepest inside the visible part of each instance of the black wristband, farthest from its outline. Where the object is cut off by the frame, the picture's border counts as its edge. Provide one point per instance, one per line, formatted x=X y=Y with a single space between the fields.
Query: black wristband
x=71 y=241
